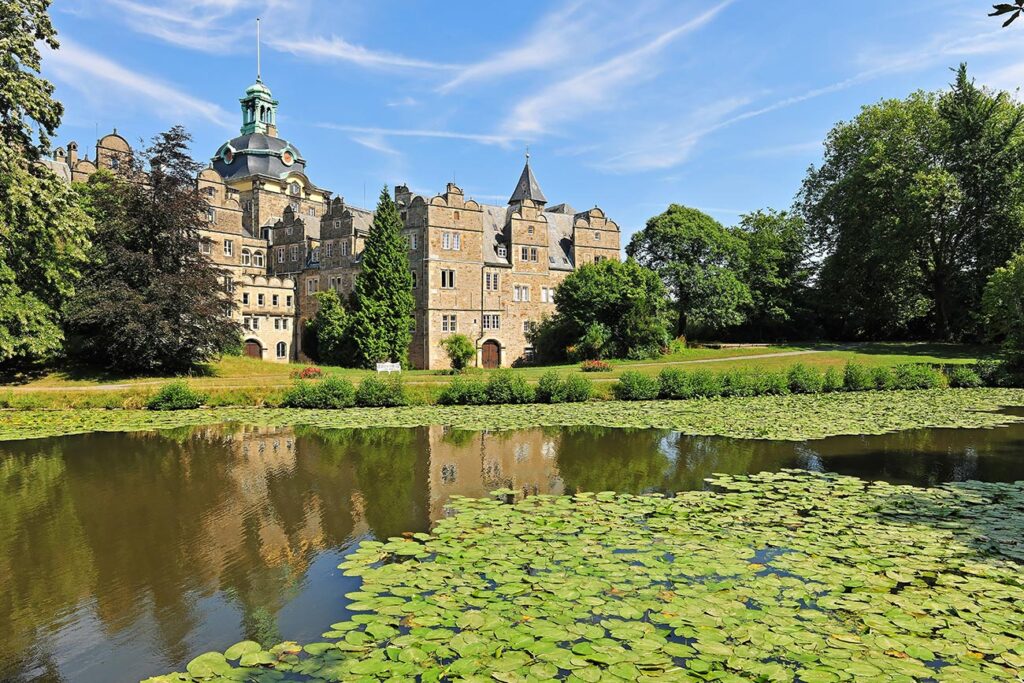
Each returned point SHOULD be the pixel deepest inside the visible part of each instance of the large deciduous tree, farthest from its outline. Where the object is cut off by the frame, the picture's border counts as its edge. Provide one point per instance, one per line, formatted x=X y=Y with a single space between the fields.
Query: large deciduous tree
x=382 y=300
x=43 y=232
x=1003 y=304
x=332 y=328
x=150 y=301
x=917 y=202
x=699 y=261
x=611 y=308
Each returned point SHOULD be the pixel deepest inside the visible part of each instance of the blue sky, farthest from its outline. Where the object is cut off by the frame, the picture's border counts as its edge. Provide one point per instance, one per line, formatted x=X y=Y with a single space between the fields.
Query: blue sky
x=721 y=105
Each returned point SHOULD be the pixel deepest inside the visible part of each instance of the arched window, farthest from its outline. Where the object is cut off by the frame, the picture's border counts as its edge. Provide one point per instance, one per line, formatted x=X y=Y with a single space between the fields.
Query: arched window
x=257 y=259
x=246 y=258
x=294 y=188
x=282 y=350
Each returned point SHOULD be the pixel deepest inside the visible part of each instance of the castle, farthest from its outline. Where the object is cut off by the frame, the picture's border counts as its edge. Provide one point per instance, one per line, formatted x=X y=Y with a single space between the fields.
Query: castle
x=488 y=272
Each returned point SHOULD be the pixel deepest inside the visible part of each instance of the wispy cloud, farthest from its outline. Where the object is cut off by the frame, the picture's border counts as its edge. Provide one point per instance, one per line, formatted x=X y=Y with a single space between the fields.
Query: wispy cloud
x=91 y=73
x=194 y=24
x=377 y=143
x=482 y=138
x=596 y=85
x=551 y=40
x=335 y=48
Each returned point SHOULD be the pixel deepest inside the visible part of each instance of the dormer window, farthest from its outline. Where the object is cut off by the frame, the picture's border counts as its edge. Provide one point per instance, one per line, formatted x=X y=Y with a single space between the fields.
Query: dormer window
x=502 y=251
x=294 y=188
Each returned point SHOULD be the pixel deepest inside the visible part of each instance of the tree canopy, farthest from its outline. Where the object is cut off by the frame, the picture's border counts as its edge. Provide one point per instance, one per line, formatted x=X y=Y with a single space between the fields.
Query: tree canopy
x=151 y=301
x=916 y=203
x=382 y=299
x=700 y=262
x=1003 y=305
x=43 y=232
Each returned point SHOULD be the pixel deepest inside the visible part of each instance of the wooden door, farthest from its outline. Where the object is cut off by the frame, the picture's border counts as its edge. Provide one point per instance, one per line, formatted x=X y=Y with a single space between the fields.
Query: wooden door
x=491 y=354
x=253 y=349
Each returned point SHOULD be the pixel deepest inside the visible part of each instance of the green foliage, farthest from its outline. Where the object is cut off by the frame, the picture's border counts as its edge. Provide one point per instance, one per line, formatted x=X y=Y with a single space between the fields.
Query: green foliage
x=790 y=543
x=382 y=298
x=918 y=376
x=1014 y=9
x=460 y=351
x=754 y=382
x=610 y=309
x=151 y=301
x=636 y=386
x=883 y=378
x=176 y=396
x=377 y=392
x=44 y=234
x=833 y=380
x=463 y=391
x=806 y=380
x=699 y=262
x=857 y=377
x=1003 y=305
x=574 y=388
x=964 y=377
x=332 y=328
x=506 y=386
x=332 y=392
x=916 y=204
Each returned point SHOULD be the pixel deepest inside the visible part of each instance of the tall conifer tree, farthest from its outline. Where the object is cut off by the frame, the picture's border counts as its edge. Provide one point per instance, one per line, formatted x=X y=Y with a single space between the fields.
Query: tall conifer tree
x=383 y=300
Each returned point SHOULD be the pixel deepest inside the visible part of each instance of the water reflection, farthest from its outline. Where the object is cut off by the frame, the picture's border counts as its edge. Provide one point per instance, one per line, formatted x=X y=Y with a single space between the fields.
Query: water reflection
x=124 y=555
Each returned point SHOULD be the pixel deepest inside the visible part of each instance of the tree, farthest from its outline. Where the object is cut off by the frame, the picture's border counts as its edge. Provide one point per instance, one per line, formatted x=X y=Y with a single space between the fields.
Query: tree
x=150 y=301
x=699 y=261
x=620 y=303
x=383 y=300
x=775 y=270
x=460 y=351
x=332 y=327
x=1013 y=9
x=1003 y=304
x=43 y=232
x=916 y=203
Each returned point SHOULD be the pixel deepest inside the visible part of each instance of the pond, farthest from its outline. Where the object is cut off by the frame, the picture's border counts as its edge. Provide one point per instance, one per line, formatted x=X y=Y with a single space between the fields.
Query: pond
x=124 y=555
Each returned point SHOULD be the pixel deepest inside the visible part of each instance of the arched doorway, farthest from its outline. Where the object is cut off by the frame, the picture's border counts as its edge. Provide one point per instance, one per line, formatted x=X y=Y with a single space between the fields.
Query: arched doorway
x=253 y=349
x=491 y=354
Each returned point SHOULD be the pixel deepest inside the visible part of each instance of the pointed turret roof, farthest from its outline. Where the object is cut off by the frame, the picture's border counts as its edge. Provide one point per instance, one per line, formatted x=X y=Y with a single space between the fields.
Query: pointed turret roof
x=528 y=187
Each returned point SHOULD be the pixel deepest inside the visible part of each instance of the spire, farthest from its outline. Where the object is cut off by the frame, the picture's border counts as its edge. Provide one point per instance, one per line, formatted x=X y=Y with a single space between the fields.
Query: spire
x=259 y=78
x=259 y=108
x=528 y=187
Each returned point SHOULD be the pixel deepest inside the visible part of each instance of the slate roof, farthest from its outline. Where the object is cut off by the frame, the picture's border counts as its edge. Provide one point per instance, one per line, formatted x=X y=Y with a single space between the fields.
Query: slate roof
x=257 y=154
x=528 y=188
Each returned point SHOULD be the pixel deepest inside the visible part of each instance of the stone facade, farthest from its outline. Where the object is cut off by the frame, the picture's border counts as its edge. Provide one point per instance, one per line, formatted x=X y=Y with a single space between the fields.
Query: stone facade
x=486 y=271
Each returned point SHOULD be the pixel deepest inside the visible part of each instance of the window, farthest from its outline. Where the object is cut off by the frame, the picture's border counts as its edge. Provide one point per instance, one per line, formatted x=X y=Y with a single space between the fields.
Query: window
x=528 y=326
x=312 y=285
x=204 y=247
x=277 y=323
x=448 y=279
x=597 y=236
x=492 y=321
x=265 y=233
x=312 y=211
x=229 y=286
x=329 y=249
x=294 y=188
x=491 y=281
x=413 y=241
x=261 y=299
x=345 y=248
x=529 y=230
x=502 y=251
x=288 y=301
x=257 y=259
x=457 y=215
x=294 y=252
x=282 y=350
x=414 y=279
x=284 y=323
x=598 y=259
x=521 y=293
x=533 y=254
x=229 y=248
x=529 y=355
x=456 y=241
x=115 y=163
x=446 y=240
x=211 y=215
x=248 y=205
x=246 y=257
x=245 y=298
x=547 y=295
x=255 y=323
x=280 y=254
x=275 y=300
x=448 y=323
x=247 y=323
x=524 y=253
x=288 y=230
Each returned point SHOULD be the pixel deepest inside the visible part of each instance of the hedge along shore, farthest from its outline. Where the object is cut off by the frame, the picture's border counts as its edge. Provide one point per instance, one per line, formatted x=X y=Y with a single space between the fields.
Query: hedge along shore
x=795 y=417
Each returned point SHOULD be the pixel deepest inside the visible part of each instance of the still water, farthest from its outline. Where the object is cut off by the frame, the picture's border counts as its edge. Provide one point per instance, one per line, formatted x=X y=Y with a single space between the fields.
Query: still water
x=125 y=555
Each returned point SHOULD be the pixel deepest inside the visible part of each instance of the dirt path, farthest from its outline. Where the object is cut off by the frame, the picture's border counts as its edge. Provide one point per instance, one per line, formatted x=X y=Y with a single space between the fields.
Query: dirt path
x=278 y=381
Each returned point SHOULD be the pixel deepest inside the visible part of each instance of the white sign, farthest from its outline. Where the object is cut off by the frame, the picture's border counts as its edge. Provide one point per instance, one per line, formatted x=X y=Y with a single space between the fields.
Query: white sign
x=389 y=367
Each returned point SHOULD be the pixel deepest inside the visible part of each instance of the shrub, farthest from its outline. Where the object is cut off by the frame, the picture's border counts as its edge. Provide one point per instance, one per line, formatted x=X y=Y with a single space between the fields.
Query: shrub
x=176 y=396
x=805 y=380
x=329 y=393
x=773 y=383
x=595 y=366
x=856 y=377
x=549 y=387
x=832 y=381
x=706 y=384
x=505 y=386
x=635 y=386
x=463 y=392
x=376 y=392
x=460 y=351
x=964 y=377
x=575 y=388
x=917 y=376
x=883 y=378
x=308 y=373
x=674 y=384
